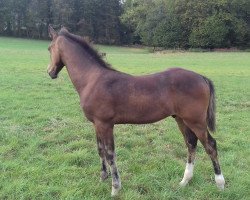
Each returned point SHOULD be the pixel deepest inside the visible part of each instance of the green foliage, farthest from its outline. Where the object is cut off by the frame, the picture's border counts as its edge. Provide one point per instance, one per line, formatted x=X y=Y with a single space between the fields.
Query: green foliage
x=161 y=23
x=195 y=23
x=30 y=18
x=219 y=30
x=134 y=18
x=48 y=149
x=168 y=33
x=209 y=35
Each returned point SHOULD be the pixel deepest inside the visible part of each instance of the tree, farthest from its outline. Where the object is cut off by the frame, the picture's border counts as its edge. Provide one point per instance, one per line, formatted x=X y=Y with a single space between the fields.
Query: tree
x=222 y=28
x=98 y=19
x=164 y=23
x=206 y=37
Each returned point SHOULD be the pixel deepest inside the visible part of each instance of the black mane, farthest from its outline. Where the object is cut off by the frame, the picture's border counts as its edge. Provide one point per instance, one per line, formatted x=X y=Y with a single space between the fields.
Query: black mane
x=87 y=47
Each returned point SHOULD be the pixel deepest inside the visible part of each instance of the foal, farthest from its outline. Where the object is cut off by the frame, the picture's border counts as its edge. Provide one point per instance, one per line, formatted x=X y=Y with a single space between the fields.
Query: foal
x=110 y=97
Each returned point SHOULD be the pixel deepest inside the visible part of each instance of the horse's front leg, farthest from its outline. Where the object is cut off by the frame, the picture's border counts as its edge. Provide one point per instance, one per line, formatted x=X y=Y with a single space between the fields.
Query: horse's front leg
x=105 y=133
x=101 y=152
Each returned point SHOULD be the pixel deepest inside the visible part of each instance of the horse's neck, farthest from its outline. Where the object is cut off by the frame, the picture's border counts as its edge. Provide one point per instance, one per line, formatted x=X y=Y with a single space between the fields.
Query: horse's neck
x=81 y=69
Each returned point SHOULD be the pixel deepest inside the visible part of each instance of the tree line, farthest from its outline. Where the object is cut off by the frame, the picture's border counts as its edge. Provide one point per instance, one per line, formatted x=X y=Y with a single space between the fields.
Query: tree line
x=98 y=19
x=158 y=23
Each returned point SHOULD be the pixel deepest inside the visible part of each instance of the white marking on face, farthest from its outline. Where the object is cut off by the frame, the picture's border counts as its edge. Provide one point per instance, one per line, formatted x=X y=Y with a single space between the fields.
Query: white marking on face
x=220 y=181
x=49 y=68
x=188 y=174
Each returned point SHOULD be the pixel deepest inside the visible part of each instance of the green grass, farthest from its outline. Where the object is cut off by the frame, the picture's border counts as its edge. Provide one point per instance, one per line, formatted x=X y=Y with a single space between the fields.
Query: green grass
x=48 y=149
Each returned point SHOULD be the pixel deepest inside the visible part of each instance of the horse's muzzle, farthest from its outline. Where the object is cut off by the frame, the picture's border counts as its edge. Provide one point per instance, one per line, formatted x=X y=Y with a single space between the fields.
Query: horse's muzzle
x=52 y=75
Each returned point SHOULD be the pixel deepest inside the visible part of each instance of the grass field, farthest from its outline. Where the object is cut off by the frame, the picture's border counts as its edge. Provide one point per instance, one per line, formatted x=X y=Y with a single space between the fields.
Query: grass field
x=48 y=149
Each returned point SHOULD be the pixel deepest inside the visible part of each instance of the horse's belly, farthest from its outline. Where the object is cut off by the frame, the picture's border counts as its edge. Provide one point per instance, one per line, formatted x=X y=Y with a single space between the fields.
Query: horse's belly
x=142 y=115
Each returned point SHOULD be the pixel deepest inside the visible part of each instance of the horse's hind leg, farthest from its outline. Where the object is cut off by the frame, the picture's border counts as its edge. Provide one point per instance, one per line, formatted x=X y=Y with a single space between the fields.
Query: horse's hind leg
x=191 y=142
x=211 y=150
x=105 y=133
x=209 y=144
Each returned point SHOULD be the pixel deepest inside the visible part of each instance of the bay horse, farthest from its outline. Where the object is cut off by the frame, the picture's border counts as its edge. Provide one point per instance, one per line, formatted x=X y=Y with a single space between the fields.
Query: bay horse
x=109 y=97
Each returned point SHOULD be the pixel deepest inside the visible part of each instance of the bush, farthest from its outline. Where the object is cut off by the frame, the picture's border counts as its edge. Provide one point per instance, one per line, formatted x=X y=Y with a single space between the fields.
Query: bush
x=211 y=34
x=168 y=33
x=218 y=31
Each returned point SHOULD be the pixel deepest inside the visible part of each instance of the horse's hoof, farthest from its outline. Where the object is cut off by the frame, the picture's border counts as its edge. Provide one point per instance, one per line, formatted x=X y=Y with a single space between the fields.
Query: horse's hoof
x=183 y=183
x=188 y=174
x=115 y=190
x=221 y=187
x=220 y=181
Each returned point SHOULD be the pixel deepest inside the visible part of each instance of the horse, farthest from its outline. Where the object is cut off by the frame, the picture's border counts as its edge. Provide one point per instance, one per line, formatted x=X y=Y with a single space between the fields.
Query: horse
x=109 y=97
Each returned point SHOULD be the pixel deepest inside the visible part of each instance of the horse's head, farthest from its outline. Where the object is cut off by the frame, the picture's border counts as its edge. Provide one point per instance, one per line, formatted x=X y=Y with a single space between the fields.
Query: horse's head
x=56 y=63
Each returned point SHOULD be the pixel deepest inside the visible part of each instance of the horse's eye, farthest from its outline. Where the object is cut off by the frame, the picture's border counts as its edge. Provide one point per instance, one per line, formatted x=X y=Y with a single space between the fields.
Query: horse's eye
x=49 y=48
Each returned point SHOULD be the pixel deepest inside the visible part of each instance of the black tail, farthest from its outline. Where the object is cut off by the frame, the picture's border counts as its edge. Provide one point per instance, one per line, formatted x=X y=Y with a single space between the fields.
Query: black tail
x=211 y=123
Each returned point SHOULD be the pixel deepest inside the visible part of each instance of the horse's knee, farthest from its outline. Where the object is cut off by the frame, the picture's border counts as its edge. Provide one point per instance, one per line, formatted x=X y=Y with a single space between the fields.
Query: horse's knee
x=110 y=156
x=192 y=144
x=191 y=139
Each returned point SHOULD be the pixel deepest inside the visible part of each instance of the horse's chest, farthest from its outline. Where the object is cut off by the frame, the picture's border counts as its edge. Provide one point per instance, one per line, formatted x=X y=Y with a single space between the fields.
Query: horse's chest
x=88 y=113
x=98 y=109
x=87 y=108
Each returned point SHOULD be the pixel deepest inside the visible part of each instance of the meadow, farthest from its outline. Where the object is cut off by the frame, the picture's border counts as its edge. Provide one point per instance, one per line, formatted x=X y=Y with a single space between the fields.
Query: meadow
x=48 y=148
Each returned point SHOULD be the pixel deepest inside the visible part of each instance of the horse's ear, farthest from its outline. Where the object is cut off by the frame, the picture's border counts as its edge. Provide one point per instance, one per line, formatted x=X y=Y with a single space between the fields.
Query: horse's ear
x=63 y=28
x=52 y=33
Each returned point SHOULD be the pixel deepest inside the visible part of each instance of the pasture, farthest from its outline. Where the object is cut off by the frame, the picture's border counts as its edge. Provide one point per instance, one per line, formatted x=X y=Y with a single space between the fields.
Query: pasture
x=48 y=149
